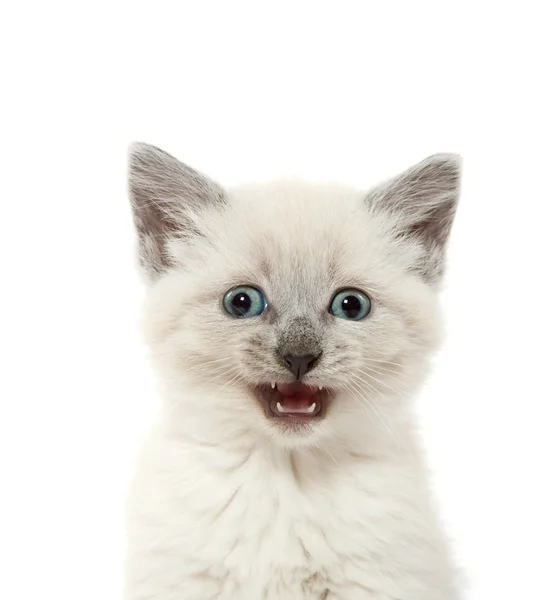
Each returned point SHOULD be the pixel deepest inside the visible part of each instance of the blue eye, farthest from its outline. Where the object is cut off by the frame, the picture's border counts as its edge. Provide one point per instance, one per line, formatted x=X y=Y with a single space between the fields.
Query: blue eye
x=245 y=301
x=350 y=304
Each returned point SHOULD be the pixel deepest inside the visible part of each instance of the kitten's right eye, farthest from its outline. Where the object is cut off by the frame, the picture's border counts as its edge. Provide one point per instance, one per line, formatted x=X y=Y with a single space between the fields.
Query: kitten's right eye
x=244 y=301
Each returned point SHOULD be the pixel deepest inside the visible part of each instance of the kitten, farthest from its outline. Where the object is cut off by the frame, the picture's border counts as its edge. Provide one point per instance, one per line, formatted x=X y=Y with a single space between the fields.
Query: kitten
x=289 y=324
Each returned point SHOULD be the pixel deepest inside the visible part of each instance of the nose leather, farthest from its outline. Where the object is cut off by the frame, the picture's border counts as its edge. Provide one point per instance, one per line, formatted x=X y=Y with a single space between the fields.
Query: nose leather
x=300 y=365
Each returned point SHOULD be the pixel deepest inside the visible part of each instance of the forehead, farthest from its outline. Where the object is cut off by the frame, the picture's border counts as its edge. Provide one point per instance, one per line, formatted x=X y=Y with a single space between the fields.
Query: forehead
x=295 y=238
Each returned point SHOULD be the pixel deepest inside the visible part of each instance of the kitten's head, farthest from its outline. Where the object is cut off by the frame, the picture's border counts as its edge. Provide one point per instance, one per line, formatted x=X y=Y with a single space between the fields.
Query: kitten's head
x=292 y=310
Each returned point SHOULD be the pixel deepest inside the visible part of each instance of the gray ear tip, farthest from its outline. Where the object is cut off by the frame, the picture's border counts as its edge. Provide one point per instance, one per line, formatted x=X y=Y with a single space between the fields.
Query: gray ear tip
x=136 y=148
x=444 y=169
x=140 y=151
x=146 y=161
x=449 y=160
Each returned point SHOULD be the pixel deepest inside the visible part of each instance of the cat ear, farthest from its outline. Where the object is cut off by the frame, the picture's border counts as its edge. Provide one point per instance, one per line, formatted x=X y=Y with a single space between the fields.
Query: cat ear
x=422 y=202
x=164 y=194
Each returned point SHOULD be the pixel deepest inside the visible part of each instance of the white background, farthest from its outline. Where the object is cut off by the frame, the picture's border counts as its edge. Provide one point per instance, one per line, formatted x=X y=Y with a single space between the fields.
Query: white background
x=336 y=90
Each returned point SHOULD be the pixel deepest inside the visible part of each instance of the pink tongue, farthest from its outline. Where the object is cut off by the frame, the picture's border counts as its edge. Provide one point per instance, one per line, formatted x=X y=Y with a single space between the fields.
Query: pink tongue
x=296 y=396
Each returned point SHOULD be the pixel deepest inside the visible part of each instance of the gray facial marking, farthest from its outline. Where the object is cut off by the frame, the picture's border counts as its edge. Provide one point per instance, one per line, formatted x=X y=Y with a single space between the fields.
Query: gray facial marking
x=258 y=352
x=265 y=268
x=300 y=337
x=256 y=342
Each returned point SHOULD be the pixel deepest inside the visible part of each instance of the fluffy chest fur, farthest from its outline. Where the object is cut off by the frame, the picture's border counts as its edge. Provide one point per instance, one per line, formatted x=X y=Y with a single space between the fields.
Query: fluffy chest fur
x=281 y=525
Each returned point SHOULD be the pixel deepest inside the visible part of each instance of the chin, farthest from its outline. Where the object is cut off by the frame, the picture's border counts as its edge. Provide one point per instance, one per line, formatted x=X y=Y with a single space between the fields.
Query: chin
x=295 y=412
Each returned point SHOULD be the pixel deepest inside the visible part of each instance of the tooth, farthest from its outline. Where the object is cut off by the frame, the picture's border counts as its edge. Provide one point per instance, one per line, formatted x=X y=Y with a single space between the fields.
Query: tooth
x=273 y=385
x=311 y=409
x=320 y=387
x=280 y=407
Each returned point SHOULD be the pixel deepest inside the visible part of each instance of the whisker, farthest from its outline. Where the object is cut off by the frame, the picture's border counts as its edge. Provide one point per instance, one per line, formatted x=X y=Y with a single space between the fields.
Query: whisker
x=355 y=393
x=390 y=363
x=322 y=447
x=375 y=406
x=360 y=374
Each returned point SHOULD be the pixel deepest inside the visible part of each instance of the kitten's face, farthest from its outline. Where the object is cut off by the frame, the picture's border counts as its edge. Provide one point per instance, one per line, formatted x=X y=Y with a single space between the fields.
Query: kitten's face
x=291 y=311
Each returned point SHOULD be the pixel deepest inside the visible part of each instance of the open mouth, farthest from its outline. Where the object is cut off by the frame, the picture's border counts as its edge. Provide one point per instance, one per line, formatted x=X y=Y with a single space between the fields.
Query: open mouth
x=294 y=401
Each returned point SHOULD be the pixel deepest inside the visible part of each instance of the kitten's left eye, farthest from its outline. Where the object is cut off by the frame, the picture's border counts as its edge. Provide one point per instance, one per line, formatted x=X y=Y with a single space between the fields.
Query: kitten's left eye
x=244 y=301
x=350 y=304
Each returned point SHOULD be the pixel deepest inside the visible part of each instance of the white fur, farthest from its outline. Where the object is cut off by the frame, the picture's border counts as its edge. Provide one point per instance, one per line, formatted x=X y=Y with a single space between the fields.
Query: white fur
x=226 y=506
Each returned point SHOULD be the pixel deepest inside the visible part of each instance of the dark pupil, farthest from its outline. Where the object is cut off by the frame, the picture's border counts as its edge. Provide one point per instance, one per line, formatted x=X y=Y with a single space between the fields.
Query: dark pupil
x=241 y=303
x=351 y=306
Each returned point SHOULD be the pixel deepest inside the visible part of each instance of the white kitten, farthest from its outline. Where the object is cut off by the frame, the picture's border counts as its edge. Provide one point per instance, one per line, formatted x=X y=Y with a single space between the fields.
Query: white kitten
x=289 y=324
